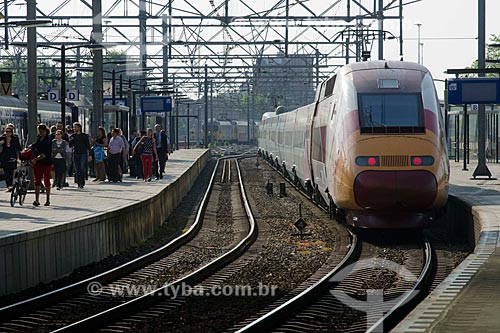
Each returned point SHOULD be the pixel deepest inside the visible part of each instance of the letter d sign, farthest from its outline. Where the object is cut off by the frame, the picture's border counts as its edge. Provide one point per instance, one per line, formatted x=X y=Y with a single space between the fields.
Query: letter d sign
x=53 y=95
x=73 y=95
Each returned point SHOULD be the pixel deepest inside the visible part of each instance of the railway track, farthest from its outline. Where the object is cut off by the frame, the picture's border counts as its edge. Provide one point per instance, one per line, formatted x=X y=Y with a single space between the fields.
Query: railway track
x=182 y=313
x=78 y=307
x=370 y=295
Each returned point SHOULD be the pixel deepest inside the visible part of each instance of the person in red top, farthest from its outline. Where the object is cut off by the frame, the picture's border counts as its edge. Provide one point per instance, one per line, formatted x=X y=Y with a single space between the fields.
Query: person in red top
x=42 y=163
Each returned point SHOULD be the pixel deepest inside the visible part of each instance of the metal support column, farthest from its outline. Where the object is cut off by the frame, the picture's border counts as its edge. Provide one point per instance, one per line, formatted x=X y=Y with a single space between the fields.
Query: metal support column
x=113 y=87
x=113 y=96
x=211 y=111
x=401 y=29
x=253 y=111
x=380 y=29
x=177 y=146
x=287 y=13
x=32 y=74
x=446 y=110
x=98 y=70
x=6 y=27
x=248 y=111
x=317 y=68
x=143 y=50
x=131 y=103
x=63 y=85
x=496 y=138
x=121 y=86
x=206 y=107
x=457 y=138
x=78 y=73
x=466 y=134
x=188 y=135
x=166 y=43
x=347 y=53
x=481 y=169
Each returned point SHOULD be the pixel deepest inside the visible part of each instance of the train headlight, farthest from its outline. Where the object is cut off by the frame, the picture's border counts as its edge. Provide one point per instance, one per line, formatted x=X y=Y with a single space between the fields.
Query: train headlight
x=367 y=161
x=422 y=160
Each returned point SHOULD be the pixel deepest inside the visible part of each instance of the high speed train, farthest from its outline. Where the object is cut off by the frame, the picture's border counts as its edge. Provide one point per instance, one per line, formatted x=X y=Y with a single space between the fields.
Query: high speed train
x=372 y=145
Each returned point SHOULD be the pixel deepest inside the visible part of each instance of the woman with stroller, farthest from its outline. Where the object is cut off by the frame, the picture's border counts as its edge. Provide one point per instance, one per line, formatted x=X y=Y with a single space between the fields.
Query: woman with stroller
x=42 y=163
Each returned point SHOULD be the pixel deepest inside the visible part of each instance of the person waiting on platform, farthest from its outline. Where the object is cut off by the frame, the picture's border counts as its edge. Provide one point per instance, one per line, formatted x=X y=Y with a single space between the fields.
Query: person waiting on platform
x=116 y=154
x=81 y=153
x=65 y=137
x=124 y=161
x=162 y=149
x=135 y=159
x=9 y=155
x=59 y=158
x=69 y=157
x=99 y=155
x=147 y=148
x=42 y=163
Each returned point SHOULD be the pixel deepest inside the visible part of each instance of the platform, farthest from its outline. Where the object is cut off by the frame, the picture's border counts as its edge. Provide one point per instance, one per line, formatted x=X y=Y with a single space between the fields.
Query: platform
x=468 y=300
x=40 y=244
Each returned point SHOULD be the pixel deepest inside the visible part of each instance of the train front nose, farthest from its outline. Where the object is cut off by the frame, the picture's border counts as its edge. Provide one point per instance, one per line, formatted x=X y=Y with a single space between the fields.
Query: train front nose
x=397 y=190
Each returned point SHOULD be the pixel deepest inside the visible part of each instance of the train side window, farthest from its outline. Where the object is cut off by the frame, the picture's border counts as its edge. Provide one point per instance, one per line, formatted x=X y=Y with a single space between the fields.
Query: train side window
x=316 y=144
x=330 y=84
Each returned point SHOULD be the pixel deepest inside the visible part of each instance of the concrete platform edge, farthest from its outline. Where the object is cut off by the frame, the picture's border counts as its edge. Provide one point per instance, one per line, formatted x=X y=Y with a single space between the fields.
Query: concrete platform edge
x=41 y=256
x=437 y=304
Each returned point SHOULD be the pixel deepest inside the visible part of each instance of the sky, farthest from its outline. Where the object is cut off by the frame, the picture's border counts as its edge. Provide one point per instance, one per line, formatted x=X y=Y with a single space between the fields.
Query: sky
x=449 y=30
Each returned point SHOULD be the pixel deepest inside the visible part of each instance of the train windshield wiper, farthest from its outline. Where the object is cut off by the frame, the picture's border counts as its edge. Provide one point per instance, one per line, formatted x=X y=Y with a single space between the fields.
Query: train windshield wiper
x=371 y=122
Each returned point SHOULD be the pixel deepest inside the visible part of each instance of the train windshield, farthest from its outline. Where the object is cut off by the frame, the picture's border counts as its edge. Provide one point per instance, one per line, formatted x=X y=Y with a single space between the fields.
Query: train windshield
x=391 y=113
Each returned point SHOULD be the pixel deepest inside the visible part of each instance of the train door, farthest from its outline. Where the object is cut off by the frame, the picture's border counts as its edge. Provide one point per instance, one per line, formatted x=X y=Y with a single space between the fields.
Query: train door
x=319 y=134
x=309 y=130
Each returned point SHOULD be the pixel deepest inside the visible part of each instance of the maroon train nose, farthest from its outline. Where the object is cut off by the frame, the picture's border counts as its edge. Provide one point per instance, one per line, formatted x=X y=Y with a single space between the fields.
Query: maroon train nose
x=395 y=189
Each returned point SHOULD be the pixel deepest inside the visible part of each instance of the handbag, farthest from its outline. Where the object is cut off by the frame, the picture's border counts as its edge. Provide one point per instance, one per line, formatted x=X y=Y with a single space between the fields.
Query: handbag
x=139 y=148
x=99 y=154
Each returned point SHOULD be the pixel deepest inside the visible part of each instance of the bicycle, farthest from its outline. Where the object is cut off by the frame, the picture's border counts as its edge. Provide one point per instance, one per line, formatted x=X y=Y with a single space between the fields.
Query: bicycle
x=21 y=185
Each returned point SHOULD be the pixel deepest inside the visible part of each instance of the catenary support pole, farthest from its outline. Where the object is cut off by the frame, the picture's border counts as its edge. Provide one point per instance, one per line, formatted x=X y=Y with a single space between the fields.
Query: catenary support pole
x=481 y=169
x=63 y=85
x=97 y=91
x=206 y=107
x=32 y=74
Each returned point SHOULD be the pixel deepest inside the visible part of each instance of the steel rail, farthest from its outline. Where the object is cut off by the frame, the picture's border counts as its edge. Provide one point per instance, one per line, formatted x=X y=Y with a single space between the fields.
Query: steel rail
x=279 y=315
x=99 y=320
x=273 y=318
x=412 y=297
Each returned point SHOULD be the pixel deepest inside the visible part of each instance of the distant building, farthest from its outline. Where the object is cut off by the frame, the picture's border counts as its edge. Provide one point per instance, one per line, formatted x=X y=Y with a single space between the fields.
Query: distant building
x=286 y=81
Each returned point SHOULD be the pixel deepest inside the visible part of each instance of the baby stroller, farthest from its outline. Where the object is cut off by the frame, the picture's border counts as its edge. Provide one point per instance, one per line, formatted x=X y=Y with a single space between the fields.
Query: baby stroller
x=21 y=183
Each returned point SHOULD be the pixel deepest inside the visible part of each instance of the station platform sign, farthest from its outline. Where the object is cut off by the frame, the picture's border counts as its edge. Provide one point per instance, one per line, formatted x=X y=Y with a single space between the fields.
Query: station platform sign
x=156 y=104
x=118 y=101
x=474 y=91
